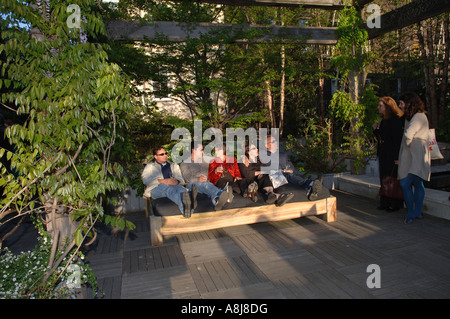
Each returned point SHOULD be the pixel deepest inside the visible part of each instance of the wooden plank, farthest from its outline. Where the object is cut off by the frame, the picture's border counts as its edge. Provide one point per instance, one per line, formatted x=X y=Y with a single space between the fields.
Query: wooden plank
x=209 y=250
x=216 y=277
x=331 y=215
x=257 y=291
x=299 y=287
x=155 y=230
x=223 y=270
x=110 y=287
x=248 y=270
x=172 y=282
x=194 y=270
x=252 y=243
x=287 y=263
x=205 y=278
x=328 y=287
x=240 y=216
x=106 y=265
x=180 y=32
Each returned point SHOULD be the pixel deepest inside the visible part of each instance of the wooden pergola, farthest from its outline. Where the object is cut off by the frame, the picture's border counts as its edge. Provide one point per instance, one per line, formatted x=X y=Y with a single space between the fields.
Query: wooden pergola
x=404 y=16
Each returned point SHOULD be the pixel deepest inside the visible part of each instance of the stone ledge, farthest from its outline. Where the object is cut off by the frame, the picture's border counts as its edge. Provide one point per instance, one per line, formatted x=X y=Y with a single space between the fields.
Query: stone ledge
x=436 y=202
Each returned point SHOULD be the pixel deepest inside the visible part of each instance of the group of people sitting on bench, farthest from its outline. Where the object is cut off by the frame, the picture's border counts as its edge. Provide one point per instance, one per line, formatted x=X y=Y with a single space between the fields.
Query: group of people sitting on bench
x=220 y=178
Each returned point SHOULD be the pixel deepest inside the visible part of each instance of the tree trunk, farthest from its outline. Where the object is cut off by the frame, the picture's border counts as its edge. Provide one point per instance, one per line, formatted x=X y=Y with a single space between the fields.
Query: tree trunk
x=445 y=65
x=282 y=88
x=283 y=80
x=58 y=223
x=426 y=39
x=269 y=103
x=321 y=84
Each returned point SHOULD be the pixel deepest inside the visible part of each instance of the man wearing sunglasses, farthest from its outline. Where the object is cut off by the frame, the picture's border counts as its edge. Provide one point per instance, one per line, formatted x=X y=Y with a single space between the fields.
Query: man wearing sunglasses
x=163 y=179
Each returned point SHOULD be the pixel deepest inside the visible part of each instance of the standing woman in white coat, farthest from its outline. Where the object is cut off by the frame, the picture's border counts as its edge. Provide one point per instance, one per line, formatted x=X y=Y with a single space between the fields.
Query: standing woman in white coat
x=414 y=157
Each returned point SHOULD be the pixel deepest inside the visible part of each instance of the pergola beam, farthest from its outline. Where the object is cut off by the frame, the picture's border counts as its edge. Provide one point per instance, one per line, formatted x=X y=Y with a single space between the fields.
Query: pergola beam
x=399 y=18
x=321 y=4
x=407 y=15
x=180 y=32
x=361 y=3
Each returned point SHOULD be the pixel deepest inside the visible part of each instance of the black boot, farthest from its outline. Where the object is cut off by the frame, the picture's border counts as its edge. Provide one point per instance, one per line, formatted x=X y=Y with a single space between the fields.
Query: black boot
x=186 y=200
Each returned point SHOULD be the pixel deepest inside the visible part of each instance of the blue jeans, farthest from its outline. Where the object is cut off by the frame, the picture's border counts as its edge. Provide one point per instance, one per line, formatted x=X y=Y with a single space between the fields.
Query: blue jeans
x=172 y=192
x=413 y=200
x=207 y=188
x=298 y=180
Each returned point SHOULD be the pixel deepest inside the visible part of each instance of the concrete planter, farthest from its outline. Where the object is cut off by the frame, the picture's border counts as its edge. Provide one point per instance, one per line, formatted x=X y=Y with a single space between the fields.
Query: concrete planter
x=331 y=180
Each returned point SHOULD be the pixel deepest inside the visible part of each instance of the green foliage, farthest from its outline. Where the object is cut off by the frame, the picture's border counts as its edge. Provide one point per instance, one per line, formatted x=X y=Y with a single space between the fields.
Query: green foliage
x=244 y=120
x=75 y=104
x=316 y=152
x=21 y=274
x=352 y=113
x=351 y=51
x=354 y=121
x=213 y=78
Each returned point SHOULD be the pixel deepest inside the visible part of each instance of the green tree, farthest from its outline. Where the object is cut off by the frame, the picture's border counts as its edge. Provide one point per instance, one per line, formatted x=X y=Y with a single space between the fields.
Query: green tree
x=351 y=56
x=74 y=101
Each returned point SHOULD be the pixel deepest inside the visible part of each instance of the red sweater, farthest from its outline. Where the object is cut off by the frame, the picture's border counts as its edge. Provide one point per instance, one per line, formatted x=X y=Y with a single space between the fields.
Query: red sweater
x=231 y=166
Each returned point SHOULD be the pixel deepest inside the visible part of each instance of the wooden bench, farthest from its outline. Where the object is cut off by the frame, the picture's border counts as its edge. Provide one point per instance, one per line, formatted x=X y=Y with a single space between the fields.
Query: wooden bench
x=171 y=225
x=175 y=223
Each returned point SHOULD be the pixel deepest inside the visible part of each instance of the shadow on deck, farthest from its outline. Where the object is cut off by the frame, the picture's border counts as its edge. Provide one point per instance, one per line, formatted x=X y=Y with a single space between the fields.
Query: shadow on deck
x=301 y=258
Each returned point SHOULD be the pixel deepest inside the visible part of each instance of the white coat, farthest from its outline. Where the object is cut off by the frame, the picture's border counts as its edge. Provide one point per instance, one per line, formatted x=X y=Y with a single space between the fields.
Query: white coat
x=414 y=157
x=152 y=172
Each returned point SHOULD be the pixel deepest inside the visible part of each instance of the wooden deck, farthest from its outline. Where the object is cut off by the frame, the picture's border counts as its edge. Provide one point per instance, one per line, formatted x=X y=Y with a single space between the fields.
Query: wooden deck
x=301 y=258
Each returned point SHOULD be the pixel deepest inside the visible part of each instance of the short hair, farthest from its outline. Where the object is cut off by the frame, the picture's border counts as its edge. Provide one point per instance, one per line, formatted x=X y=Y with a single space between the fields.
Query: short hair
x=156 y=149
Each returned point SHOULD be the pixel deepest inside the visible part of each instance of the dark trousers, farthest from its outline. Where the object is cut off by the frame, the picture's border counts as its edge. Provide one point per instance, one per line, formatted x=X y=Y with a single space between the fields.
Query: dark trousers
x=239 y=186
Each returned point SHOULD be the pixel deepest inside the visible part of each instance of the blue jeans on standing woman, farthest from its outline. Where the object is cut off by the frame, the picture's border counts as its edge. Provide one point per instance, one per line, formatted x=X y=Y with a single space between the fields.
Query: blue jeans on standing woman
x=413 y=199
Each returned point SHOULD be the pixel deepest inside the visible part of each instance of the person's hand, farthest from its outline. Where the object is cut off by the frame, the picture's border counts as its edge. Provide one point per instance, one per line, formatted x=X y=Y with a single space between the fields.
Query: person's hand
x=396 y=162
x=219 y=169
x=288 y=171
x=375 y=126
x=202 y=178
x=169 y=181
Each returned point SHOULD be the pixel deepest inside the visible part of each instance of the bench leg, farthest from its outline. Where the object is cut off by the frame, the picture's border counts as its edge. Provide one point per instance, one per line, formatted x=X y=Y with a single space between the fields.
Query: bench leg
x=331 y=214
x=148 y=207
x=155 y=231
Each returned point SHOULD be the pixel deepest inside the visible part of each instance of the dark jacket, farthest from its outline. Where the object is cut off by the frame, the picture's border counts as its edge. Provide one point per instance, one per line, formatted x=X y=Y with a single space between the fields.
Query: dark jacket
x=389 y=137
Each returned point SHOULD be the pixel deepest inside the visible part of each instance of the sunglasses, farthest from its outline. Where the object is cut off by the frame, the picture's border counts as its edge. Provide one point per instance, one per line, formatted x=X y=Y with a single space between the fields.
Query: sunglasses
x=162 y=154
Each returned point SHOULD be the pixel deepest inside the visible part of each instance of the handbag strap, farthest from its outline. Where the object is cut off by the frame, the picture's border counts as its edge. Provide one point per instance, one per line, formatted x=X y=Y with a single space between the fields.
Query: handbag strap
x=393 y=168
